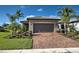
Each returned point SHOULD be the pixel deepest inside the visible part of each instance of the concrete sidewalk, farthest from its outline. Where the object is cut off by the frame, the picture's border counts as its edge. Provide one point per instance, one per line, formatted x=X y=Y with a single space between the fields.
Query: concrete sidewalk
x=51 y=50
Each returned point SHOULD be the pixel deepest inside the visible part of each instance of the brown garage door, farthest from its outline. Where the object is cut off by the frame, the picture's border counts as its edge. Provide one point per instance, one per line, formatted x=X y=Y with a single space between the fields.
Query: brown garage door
x=43 y=28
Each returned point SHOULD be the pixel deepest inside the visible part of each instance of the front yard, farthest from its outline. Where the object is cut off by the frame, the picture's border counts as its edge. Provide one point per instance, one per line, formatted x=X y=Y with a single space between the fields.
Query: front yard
x=15 y=43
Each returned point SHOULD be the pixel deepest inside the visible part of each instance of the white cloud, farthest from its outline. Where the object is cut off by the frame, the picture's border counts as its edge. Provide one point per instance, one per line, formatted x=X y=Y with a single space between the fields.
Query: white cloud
x=29 y=16
x=40 y=9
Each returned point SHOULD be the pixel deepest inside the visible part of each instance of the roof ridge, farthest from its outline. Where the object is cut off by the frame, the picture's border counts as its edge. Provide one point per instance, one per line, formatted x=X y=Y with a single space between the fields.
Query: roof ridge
x=42 y=17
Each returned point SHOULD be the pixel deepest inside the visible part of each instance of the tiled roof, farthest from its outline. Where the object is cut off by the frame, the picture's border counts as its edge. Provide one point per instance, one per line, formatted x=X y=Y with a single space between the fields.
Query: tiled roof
x=42 y=17
x=24 y=22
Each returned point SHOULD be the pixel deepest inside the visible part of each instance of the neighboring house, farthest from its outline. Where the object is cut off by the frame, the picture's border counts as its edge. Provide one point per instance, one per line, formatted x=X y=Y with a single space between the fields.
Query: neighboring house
x=44 y=24
x=1 y=29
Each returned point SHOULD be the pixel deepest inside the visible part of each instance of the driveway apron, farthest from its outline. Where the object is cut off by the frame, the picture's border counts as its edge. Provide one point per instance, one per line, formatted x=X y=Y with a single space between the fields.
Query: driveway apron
x=52 y=40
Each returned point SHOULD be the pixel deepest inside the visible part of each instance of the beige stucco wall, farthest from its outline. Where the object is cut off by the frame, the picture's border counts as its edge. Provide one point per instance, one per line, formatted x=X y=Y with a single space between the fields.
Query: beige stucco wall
x=30 y=26
x=31 y=22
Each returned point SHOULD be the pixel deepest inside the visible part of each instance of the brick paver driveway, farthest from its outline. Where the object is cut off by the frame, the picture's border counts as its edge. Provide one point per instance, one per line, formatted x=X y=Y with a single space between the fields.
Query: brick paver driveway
x=52 y=40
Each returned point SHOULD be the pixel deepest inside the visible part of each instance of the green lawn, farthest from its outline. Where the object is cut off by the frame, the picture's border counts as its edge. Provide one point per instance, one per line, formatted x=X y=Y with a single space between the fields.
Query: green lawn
x=15 y=43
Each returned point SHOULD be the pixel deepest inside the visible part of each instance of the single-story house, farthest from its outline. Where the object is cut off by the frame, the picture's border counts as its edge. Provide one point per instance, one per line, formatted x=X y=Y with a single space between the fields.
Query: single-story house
x=45 y=24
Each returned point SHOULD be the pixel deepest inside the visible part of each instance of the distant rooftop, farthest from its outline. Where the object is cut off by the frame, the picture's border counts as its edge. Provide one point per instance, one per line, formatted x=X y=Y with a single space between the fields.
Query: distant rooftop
x=42 y=17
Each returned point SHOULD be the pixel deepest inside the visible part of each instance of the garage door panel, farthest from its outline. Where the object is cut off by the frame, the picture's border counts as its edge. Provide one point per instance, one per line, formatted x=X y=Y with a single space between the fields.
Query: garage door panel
x=43 y=28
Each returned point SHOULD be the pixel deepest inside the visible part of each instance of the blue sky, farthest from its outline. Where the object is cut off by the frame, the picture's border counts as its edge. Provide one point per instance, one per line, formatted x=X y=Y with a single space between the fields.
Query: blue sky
x=32 y=10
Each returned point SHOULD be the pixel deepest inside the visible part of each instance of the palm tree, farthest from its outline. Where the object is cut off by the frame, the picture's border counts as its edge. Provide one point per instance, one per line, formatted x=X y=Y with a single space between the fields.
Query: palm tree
x=66 y=14
x=18 y=14
x=12 y=18
x=12 y=23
